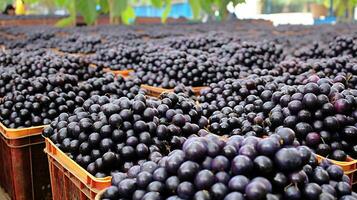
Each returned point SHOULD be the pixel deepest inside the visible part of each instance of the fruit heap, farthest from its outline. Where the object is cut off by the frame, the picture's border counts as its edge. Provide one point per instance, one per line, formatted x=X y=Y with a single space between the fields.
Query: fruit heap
x=236 y=106
x=195 y=67
x=260 y=55
x=232 y=92
x=20 y=111
x=7 y=82
x=39 y=100
x=311 y=51
x=77 y=43
x=342 y=45
x=168 y=68
x=276 y=96
x=108 y=84
x=237 y=168
x=323 y=115
x=114 y=134
x=197 y=41
x=36 y=63
x=121 y=57
x=12 y=82
x=188 y=91
x=191 y=61
x=321 y=112
x=333 y=68
x=340 y=69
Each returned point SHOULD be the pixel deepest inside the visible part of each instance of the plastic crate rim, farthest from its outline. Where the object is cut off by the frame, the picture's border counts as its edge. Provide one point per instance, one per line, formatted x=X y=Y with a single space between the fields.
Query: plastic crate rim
x=342 y=163
x=17 y=133
x=66 y=159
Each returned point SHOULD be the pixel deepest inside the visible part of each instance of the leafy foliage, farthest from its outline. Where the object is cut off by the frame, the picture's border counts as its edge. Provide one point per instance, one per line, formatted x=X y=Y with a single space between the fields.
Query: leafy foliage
x=210 y=6
x=117 y=7
x=342 y=6
x=104 y=6
x=71 y=8
x=4 y=3
x=68 y=21
x=206 y=6
x=128 y=15
x=87 y=8
x=196 y=8
x=122 y=10
x=157 y=3
x=166 y=11
x=31 y=1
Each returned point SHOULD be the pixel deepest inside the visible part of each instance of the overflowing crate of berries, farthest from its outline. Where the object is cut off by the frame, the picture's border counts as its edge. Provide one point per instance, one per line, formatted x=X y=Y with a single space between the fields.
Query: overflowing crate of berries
x=236 y=113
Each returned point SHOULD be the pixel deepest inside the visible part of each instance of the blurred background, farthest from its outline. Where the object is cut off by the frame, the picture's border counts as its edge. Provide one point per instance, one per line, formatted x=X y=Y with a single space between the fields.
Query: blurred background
x=91 y=12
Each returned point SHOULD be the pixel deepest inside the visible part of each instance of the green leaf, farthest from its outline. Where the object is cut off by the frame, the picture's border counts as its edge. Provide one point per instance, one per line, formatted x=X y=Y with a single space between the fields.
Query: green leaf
x=71 y=8
x=339 y=6
x=166 y=11
x=68 y=21
x=30 y=1
x=206 y=6
x=156 y=3
x=87 y=8
x=4 y=3
x=195 y=7
x=128 y=15
x=340 y=10
x=104 y=6
x=68 y=4
x=235 y=2
x=61 y=3
x=222 y=8
x=117 y=7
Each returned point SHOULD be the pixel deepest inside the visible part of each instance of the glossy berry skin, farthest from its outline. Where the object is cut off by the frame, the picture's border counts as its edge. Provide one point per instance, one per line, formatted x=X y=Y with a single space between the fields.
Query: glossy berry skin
x=290 y=172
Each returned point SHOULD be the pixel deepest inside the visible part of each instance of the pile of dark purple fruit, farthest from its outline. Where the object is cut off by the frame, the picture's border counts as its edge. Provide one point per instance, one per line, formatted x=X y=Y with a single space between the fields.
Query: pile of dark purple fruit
x=237 y=168
x=105 y=135
x=110 y=85
x=183 y=90
x=121 y=57
x=323 y=115
x=11 y=82
x=168 y=67
x=77 y=43
x=322 y=112
x=21 y=111
x=339 y=69
x=39 y=100
x=42 y=62
x=276 y=97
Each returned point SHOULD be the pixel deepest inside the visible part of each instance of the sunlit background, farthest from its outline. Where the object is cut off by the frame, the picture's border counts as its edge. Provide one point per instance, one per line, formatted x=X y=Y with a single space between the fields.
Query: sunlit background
x=306 y=12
